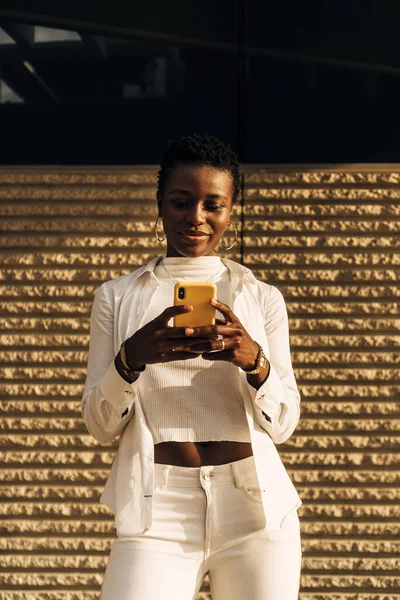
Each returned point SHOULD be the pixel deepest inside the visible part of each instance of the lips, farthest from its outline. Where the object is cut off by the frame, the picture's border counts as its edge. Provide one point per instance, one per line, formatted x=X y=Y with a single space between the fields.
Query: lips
x=191 y=232
x=194 y=236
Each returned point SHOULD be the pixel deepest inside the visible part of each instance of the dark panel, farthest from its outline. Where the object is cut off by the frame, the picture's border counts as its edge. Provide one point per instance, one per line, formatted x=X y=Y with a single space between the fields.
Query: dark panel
x=351 y=30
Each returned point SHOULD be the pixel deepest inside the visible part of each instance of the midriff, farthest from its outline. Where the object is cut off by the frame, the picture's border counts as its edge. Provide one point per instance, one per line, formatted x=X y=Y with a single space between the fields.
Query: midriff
x=198 y=454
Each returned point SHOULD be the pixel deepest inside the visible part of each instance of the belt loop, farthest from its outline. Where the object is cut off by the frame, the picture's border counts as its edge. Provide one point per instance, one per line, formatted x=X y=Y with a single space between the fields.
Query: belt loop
x=164 y=480
x=236 y=475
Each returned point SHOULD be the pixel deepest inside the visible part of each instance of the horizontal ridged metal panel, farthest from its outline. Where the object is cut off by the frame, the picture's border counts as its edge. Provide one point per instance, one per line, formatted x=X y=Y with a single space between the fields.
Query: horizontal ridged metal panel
x=329 y=238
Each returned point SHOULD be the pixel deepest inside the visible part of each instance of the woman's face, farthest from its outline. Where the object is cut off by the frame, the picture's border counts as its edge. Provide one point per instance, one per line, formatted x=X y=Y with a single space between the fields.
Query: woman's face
x=196 y=206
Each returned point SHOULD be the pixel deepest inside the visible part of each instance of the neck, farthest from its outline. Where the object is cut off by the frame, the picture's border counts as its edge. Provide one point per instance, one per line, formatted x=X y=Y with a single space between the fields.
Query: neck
x=171 y=253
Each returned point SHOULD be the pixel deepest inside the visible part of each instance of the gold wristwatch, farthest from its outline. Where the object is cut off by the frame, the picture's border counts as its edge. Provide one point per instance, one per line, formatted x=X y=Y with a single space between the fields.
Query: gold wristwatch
x=261 y=362
x=127 y=369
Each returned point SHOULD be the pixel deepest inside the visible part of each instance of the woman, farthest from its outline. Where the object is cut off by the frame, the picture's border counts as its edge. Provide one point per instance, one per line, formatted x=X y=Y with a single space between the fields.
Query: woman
x=197 y=485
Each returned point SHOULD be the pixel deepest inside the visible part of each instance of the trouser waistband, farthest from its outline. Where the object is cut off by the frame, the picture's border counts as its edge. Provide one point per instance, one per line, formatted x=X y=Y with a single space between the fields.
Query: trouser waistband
x=233 y=472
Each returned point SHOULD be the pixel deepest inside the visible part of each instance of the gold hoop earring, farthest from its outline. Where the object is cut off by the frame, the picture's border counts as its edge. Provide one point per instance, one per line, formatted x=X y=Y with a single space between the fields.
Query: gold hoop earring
x=158 y=238
x=234 y=241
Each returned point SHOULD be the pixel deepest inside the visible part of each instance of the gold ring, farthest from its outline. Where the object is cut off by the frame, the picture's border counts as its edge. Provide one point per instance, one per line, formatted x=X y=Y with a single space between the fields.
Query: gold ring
x=223 y=345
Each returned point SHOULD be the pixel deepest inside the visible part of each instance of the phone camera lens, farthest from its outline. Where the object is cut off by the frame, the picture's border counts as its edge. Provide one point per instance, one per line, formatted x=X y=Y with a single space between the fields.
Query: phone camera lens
x=181 y=293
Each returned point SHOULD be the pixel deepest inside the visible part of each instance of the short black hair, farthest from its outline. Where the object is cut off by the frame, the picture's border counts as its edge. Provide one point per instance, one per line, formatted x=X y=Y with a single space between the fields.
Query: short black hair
x=202 y=149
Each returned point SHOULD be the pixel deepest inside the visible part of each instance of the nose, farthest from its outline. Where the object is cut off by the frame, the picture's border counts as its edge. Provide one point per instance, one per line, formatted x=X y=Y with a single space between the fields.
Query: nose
x=195 y=215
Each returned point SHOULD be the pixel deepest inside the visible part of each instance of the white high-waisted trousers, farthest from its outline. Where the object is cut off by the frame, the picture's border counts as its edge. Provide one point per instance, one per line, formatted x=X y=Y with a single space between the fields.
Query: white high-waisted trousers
x=207 y=520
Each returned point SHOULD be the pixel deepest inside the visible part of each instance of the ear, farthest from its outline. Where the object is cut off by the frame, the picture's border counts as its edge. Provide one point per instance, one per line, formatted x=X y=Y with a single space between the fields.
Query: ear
x=159 y=203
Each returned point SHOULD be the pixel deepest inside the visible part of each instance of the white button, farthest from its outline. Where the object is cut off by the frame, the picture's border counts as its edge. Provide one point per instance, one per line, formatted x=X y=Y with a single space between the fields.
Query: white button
x=207 y=476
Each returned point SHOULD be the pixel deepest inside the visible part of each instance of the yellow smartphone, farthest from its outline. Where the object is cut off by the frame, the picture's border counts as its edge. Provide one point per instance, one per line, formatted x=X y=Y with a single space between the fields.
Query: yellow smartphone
x=198 y=294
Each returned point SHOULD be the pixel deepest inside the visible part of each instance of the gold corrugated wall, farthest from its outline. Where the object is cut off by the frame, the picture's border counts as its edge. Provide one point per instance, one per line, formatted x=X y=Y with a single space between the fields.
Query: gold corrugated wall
x=329 y=238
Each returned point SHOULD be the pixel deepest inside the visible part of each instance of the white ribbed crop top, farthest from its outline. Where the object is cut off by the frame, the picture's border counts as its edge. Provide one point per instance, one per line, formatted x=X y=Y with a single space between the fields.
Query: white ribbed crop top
x=192 y=400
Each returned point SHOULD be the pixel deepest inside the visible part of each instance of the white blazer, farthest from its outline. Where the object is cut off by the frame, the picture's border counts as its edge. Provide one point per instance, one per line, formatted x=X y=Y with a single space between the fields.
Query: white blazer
x=110 y=405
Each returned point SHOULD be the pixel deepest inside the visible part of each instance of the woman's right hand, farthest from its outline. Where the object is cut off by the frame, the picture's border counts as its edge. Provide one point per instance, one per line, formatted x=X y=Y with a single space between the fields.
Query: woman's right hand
x=158 y=342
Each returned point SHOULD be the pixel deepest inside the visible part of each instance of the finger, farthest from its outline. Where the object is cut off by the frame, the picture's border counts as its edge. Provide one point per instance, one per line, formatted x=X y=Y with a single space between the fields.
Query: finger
x=223 y=329
x=204 y=331
x=172 y=311
x=211 y=346
x=187 y=344
x=174 y=332
x=224 y=355
x=224 y=309
x=191 y=351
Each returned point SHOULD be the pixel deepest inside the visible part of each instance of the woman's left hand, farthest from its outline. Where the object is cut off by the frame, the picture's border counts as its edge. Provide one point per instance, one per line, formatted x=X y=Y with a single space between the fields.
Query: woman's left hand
x=237 y=347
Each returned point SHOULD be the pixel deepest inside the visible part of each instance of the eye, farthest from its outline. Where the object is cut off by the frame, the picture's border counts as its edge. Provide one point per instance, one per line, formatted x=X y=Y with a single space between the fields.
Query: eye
x=213 y=207
x=179 y=202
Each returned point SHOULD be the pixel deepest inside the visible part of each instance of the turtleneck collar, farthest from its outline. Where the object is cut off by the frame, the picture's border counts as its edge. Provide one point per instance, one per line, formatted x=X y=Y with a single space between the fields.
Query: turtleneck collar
x=182 y=267
x=199 y=261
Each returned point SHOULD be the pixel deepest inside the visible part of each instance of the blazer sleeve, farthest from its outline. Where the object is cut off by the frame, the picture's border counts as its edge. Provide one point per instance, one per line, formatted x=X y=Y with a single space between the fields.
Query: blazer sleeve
x=108 y=400
x=277 y=402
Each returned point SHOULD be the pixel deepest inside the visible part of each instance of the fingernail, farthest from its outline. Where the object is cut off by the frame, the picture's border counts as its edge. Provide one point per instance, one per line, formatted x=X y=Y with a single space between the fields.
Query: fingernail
x=214 y=301
x=189 y=331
